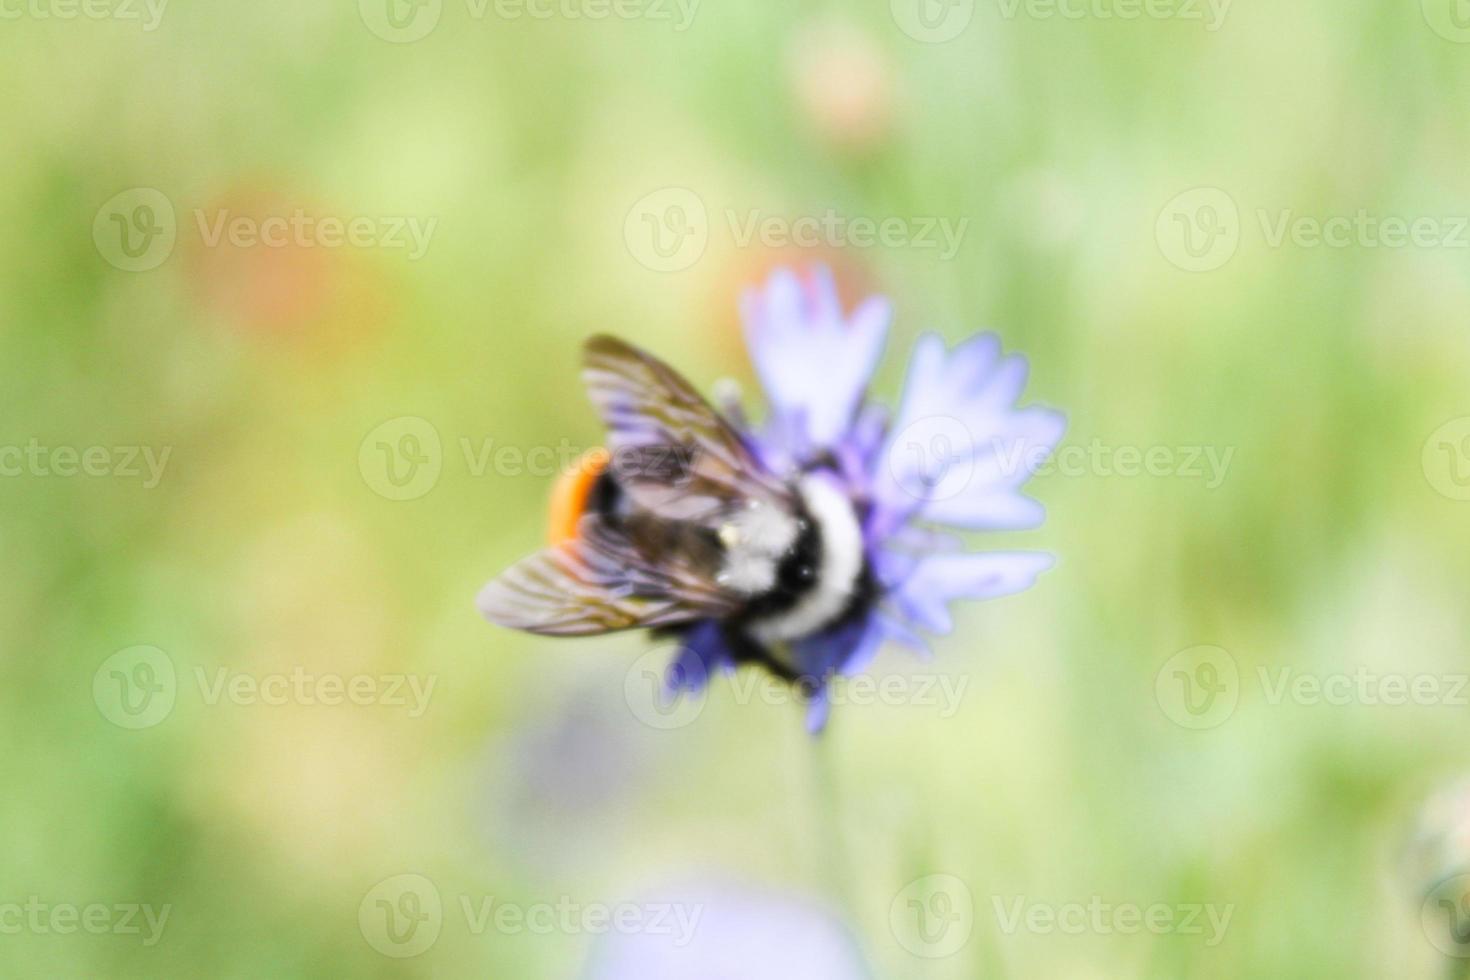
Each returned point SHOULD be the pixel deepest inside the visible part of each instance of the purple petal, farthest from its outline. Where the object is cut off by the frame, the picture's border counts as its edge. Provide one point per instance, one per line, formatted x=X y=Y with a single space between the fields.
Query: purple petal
x=935 y=581
x=718 y=931
x=896 y=630
x=702 y=651
x=845 y=649
x=814 y=365
x=818 y=710
x=822 y=654
x=960 y=450
x=1000 y=510
x=860 y=658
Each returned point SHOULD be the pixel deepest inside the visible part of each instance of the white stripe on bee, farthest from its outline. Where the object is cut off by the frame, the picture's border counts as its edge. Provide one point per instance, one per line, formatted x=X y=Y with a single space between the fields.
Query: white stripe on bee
x=754 y=541
x=837 y=573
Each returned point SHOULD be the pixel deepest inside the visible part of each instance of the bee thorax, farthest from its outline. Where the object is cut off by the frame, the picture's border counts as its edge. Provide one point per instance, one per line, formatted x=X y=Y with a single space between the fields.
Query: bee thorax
x=755 y=539
x=820 y=584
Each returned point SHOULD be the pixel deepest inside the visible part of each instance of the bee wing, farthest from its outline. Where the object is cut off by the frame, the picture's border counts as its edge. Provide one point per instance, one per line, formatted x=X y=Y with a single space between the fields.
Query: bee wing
x=671 y=450
x=600 y=582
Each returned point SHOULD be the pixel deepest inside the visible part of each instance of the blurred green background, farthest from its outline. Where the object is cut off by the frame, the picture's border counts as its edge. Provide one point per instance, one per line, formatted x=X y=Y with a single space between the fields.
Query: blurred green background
x=541 y=157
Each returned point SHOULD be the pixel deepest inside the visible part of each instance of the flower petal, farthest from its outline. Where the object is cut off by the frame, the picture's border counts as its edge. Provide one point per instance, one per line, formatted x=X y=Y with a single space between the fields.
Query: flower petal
x=845 y=649
x=899 y=632
x=702 y=651
x=822 y=654
x=923 y=596
x=818 y=710
x=728 y=931
x=814 y=365
x=960 y=449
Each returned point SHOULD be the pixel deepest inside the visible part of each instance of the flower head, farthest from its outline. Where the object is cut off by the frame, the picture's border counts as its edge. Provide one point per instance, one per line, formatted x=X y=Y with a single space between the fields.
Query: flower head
x=955 y=455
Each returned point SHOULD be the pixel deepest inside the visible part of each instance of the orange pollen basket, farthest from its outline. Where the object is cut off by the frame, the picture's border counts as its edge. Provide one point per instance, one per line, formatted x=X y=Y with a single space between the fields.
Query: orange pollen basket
x=569 y=495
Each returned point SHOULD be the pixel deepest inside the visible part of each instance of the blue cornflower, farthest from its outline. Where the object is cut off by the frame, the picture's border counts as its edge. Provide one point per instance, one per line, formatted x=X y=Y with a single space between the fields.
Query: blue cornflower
x=956 y=455
x=808 y=543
